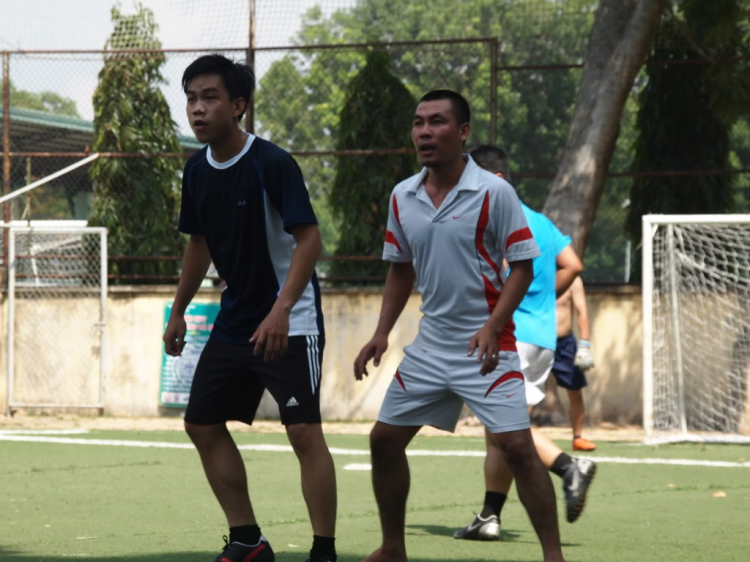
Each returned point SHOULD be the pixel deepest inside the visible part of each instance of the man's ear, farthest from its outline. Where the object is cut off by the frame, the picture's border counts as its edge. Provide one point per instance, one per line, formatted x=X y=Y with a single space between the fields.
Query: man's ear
x=465 y=130
x=239 y=106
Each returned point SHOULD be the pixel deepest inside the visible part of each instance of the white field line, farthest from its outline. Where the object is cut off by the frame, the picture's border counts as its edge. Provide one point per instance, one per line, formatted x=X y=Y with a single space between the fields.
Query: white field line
x=358 y=466
x=26 y=438
x=43 y=431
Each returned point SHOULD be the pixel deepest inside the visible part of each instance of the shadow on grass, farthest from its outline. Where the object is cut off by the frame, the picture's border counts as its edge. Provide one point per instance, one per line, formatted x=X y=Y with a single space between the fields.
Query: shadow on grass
x=506 y=535
x=443 y=531
x=7 y=555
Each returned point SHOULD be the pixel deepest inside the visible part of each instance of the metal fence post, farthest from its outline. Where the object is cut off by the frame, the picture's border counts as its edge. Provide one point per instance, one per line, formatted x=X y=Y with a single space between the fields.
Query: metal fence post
x=10 y=303
x=6 y=148
x=494 y=49
x=250 y=110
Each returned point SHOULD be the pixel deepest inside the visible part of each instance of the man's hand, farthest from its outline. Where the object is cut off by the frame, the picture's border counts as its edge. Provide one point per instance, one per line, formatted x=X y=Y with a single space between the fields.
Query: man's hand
x=374 y=349
x=584 y=359
x=272 y=336
x=174 y=336
x=485 y=340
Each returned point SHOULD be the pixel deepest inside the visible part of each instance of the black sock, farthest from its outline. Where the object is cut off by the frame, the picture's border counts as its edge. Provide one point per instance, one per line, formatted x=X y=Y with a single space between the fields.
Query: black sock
x=323 y=546
x=493 y=504
x=561 y=464
x=246 y=534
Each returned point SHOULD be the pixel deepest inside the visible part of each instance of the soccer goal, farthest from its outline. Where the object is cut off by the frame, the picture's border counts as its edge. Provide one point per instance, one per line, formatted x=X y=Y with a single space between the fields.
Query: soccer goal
x=57 y=290
x=696 y=328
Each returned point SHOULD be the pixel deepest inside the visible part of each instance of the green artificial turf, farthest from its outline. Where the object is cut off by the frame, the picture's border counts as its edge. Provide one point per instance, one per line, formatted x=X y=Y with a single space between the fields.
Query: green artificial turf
x=125 y=504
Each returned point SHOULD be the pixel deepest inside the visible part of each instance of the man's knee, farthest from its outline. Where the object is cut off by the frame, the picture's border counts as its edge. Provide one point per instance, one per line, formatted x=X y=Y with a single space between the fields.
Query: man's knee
x=305 y=437
x=575 y=397
x=516 y=446
x=389 y=440
x=202 y=435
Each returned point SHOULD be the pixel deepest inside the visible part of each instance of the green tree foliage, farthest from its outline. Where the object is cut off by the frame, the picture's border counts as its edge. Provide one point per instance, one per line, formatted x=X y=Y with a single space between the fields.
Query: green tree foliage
x=688 y=111
x=136 y=199
x=534 y=106
x=377 y=113
x=48 y=101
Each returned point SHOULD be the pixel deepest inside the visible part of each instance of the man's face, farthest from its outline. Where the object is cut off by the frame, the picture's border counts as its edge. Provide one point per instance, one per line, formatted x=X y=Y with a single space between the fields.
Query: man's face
x=436 y=134
x=210 y=111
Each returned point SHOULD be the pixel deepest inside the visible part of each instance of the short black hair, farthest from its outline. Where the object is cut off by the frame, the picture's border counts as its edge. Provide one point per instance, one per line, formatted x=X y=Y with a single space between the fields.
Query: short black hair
x=458 y=103
x=238 y=78
x=492 y=158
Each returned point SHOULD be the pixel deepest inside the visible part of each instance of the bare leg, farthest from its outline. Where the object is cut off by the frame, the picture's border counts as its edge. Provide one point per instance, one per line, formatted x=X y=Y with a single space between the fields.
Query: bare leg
x=497 y=475
x=577 y=412
x=390 y=481
x=534 y=489
x=225 y=471
x=547 y=450
x=318 y=476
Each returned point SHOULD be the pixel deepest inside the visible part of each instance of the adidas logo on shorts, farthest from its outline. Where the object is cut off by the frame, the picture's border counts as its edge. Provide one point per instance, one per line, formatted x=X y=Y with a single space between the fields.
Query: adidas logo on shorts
x=292 y=402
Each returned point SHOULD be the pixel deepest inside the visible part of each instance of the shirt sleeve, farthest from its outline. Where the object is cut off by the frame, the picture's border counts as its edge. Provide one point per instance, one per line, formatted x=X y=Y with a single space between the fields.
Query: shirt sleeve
x=188 y=223
x=513 y=235
x=287 y=191
x=560 y=240
x=395 y=247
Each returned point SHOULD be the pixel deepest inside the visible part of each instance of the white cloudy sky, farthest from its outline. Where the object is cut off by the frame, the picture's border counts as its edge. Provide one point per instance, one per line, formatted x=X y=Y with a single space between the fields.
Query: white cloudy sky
x=86 y=24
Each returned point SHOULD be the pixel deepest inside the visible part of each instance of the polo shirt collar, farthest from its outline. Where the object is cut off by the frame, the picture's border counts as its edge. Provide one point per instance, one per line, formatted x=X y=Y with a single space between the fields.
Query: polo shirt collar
x=468 y=181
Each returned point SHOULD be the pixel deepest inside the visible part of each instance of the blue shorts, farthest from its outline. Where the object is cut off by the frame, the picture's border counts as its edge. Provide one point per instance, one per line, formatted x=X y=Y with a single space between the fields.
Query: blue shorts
x=564 y=368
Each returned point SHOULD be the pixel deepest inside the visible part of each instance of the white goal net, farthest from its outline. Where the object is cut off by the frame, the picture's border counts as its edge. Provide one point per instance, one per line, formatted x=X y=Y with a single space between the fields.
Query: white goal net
x=696 y=327
x=57 y=289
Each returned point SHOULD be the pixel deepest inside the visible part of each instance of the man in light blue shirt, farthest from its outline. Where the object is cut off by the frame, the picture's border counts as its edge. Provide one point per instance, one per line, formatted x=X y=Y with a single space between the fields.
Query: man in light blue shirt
x=536 y=335
x=536 y=326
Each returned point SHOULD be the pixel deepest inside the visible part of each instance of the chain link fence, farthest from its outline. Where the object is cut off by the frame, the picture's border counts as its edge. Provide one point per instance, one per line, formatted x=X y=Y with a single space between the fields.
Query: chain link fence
x=521 y=85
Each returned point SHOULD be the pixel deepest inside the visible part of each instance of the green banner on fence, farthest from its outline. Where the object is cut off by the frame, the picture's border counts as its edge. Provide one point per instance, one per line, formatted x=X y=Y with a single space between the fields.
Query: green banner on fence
x=177 y=372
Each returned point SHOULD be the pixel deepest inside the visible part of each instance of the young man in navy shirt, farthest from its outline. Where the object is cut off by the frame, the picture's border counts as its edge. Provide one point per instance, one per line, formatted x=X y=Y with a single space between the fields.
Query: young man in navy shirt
x=246 y=208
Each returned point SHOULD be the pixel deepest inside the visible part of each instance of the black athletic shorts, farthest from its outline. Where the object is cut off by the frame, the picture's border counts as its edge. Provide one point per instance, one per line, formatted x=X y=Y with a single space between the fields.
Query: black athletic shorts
x=564 y=368
x=229 y=382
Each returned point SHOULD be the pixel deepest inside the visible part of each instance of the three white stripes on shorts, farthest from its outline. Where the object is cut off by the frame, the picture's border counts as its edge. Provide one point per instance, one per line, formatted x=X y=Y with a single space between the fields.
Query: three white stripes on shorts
x=313 y=361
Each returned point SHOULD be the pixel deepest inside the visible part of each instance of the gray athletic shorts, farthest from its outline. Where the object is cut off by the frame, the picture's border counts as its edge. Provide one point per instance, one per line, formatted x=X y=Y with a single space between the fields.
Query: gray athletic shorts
x=430 y=388
x=536 y=364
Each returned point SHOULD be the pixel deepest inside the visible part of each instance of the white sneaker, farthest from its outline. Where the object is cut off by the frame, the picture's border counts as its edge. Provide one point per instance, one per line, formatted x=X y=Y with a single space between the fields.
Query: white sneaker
x=480 y=530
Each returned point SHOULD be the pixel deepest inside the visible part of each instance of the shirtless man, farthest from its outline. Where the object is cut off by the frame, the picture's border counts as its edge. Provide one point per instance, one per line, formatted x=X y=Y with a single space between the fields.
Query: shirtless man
x=570 y=360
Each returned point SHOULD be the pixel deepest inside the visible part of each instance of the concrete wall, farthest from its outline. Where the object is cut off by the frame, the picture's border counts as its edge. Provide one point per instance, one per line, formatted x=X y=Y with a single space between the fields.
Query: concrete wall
x=134 y=351
x=615 y=391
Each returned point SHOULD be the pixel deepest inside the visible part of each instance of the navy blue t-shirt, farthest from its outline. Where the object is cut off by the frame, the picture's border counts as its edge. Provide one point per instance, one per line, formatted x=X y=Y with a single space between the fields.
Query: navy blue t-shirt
x=245 y=208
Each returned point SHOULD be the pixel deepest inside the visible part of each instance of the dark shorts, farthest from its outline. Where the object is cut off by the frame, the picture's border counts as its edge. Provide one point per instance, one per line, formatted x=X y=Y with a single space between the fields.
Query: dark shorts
x=229 y=382
x=567 y=374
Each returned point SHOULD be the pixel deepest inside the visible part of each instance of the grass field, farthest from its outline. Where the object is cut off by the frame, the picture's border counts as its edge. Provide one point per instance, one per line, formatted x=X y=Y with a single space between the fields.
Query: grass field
x=97 y=500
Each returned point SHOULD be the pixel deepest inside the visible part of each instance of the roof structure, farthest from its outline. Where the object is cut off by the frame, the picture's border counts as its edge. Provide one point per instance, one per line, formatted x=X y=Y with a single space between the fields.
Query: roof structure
x=39 y=131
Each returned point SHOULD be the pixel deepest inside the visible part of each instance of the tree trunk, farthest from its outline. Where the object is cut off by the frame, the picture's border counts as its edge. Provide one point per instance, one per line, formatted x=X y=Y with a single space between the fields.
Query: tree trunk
x=620 y=40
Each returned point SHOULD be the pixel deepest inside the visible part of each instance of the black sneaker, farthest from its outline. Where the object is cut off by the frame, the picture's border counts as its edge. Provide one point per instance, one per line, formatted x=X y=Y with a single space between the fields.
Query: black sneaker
x=240 y=552
x=480 y=530
x=321 y=558
x=576 y=483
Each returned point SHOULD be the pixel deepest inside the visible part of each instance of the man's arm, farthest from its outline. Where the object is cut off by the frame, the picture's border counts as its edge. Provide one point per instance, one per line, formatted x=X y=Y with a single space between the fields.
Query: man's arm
x=579 y=305
x=398 y=286
x=195 y=264
x=584 y=358
x=569 y=266
x=273 y=333
x=485 y=340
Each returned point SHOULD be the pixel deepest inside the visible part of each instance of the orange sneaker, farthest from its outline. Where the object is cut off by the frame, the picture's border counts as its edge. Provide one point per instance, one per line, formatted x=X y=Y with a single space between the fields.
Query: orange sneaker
x=581 y=444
